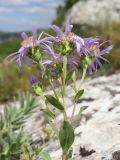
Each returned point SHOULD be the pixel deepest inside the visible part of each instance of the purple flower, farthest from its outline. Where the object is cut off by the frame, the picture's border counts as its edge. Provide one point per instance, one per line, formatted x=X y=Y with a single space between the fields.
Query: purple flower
x=30 y=48
x=34 y=80
x=72 y=60
x=69 y=36
x=65 y=43
x=96 y=54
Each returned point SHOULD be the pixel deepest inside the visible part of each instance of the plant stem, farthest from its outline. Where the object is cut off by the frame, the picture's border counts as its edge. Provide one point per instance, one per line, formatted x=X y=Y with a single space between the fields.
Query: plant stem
x=64 y=85
x=83 y=77
x=81 y=82
x=64 y=156
x=73 y=112
x=51 y=84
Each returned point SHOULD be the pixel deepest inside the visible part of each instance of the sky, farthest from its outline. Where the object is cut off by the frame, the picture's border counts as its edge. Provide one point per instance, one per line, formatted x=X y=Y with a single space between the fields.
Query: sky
x=22 y=15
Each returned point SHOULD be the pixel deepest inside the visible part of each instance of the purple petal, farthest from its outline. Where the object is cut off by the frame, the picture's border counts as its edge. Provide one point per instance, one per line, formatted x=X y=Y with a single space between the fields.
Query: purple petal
x=98 y=63
x=91 y=68
x=28 y=61
x=12 y=54
x=14 y=58
x=25 y=37
x=58 y=31
x=19 y=62
x=47 y=62
x=34 y=34
x=107 y=50
x=49 y=50
x=33 y=80
x=98 y=46
x=79 y=40
x=68 y=27
x=104 y=59
x=48 y=39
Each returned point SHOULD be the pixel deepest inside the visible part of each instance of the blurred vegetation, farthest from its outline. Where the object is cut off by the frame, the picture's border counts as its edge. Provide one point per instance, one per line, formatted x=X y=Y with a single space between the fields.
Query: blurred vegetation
x=13 y=80
x=62 y=10
x=14 y=142
x=8 y=46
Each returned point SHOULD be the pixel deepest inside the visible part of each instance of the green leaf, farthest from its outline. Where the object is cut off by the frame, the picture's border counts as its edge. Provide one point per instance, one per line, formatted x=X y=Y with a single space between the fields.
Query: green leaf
x=45 y=156
x=48 y=113
x=66 y=136
x=83 y=108
x=74 y=76
x=78 y=95
x=56 y=103
x=69 y=76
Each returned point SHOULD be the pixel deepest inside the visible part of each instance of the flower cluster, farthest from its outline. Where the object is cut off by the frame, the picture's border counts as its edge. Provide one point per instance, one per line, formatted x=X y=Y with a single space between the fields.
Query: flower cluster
x=77 y=50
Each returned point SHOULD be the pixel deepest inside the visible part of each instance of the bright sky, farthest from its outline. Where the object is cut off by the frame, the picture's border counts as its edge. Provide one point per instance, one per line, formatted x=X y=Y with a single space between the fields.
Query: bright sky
x=18 y=15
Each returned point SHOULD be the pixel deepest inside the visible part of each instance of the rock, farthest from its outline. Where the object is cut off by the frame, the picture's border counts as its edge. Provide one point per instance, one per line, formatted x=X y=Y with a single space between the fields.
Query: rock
x=97 y=130
x=95 y=12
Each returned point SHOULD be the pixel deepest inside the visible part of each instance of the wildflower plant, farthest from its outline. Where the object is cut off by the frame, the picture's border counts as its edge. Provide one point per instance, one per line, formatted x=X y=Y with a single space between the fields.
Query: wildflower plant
x=59 y=59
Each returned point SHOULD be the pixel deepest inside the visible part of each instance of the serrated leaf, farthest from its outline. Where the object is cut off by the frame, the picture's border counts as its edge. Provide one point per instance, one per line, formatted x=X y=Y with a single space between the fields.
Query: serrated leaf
x=69 y=76
x=56 y=103
x=66 y=136
x=48 y=113
x=78 y=95
x=45 y=156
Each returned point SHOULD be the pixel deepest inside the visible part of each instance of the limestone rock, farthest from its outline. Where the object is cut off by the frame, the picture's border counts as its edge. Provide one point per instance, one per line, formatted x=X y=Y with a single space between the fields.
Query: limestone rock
x=95 y=12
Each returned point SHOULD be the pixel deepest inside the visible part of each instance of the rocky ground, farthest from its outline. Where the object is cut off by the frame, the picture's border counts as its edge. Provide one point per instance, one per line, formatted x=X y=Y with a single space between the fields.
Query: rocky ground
x=97 y=129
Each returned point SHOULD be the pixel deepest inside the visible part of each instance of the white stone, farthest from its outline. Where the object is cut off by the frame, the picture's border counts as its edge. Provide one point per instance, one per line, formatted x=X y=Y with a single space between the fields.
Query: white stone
x=95 y=12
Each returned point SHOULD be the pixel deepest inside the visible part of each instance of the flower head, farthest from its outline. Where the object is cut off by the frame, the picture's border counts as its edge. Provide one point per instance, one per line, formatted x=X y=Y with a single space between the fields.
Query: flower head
x=68 y=41
x=30 y=48
x=96 y=53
